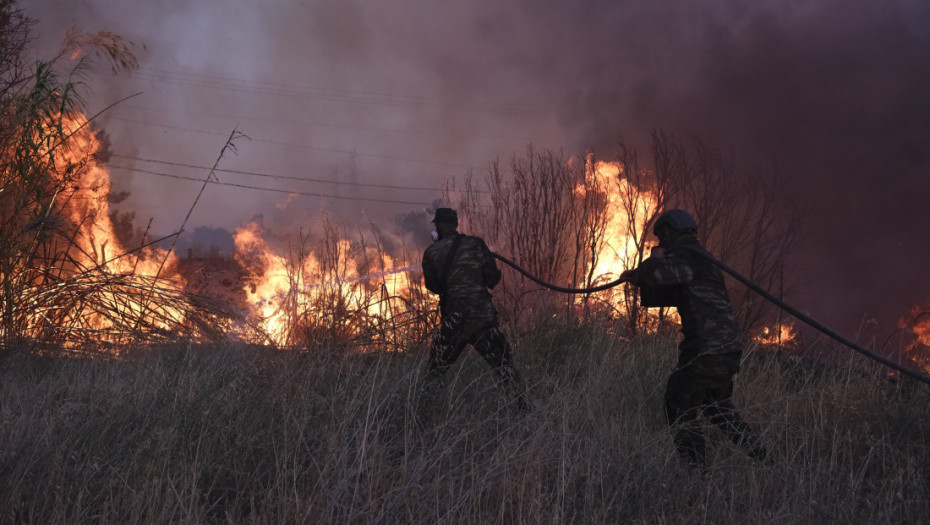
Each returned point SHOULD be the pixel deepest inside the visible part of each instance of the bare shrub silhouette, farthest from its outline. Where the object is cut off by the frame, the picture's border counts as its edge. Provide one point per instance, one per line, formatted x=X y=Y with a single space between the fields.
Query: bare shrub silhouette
x=557 y=216
x=744 y=219
x=549 y=215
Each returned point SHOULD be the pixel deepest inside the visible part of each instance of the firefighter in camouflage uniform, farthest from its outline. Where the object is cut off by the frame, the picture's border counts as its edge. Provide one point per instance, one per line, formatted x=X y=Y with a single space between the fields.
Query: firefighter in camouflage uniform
x=460 y=269
x=677 y=274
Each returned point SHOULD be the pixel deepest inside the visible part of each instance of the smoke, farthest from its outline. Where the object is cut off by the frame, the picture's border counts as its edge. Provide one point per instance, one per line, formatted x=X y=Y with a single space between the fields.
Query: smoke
x=409 y=93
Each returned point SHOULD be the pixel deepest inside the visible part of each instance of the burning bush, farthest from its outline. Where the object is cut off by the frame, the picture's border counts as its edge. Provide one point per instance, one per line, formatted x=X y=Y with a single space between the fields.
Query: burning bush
x=331 y=291
x=64 y=277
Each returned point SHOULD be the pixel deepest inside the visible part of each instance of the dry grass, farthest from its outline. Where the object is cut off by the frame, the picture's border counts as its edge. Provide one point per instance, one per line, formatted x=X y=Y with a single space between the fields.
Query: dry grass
x=233 y=434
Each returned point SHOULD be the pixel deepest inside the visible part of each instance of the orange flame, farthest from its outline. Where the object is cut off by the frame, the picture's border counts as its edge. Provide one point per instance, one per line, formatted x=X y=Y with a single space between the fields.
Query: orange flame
x=90 y=209
x=304 y=291
x=620 y=250
x=918 y=322
x=783 y=335
x=94 y=245
x=922 y=330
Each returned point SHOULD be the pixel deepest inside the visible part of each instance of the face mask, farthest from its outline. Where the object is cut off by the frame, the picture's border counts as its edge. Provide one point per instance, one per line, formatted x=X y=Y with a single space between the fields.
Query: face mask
x=435 y=235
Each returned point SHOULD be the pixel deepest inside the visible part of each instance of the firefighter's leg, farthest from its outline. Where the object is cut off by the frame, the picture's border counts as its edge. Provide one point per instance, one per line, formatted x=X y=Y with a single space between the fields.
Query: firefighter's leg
x=682 y=409
x=446 y=347
x=444 y=351
x=721 y=411
x=494 y=348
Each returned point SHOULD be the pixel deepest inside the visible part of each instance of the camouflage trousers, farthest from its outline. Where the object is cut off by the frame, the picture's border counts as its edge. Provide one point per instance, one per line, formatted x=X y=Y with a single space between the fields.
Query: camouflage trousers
x=703 y=385
x=488 y=340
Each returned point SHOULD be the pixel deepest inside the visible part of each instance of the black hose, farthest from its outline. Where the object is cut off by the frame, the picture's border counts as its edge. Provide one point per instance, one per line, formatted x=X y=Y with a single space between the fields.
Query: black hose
x=920 y=376
x=553 y=286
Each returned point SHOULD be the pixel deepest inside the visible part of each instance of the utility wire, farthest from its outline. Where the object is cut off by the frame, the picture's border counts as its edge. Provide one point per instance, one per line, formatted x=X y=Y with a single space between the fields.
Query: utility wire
x=334 y=95
x=315 y=148
x=259 y=188
x=272 y=176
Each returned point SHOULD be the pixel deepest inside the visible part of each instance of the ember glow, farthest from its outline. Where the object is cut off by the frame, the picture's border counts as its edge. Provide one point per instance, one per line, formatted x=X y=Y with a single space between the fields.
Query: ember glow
x=783 y=335
x=922 y=331
x=917 y=324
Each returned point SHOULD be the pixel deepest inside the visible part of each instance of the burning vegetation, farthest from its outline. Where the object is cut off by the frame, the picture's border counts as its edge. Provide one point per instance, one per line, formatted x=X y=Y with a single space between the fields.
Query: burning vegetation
x=69 y=279
x=65 y=276
x=917 y=327
x=65 y=279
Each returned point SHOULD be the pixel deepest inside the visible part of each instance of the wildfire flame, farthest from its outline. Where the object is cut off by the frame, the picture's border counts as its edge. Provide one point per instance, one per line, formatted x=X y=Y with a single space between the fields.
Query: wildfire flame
x=620 y=249
x=78 y=283
x=918 y=349
x=342 y=288
x=783 y=335
x=922 y=332
x=90 y=209
x=290 y=296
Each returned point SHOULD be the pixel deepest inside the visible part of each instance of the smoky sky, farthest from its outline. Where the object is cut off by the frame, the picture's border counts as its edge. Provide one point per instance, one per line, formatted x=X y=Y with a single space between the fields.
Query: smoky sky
x=833 y=94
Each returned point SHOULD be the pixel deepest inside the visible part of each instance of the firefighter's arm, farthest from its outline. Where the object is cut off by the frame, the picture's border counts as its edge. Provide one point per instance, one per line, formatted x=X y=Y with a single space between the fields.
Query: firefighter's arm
x=430 y=276
x=664 y=272
x=630 y=276
x=490 y=273
x=660 y=270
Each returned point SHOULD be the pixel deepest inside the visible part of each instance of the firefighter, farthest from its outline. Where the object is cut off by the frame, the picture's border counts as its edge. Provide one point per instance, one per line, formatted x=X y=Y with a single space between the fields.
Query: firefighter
x=460 y=269
x=677 y=274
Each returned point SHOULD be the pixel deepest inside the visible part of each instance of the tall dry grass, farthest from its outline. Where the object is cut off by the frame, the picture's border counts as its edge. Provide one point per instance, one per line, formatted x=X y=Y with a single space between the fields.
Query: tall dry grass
x=233 y=434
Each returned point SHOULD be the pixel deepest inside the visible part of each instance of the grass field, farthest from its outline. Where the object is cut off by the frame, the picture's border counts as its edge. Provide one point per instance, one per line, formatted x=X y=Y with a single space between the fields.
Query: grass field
x=235 y=434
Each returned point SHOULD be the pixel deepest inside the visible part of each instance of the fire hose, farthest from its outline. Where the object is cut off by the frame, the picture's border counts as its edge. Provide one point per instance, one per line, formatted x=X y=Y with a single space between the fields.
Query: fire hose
x=914 y=374
x=551 y=286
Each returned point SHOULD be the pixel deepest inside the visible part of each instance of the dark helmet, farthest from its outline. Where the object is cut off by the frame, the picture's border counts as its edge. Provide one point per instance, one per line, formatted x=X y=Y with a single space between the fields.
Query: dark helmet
x=677 y=220
x=447 y=216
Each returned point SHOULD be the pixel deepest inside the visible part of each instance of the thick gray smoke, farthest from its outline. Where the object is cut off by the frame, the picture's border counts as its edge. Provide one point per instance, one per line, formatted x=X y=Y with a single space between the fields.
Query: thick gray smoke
x=833 y=92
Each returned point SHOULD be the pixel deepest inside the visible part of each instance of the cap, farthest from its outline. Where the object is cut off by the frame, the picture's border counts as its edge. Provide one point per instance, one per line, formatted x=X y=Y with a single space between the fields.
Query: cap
x=446 y=215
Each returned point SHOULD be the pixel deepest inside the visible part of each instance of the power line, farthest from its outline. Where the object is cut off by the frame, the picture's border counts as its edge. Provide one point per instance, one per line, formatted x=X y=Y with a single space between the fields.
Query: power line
x=272 y=176
x=290 y=87
x=278 y=121
x=316 y=148
x=276 y=190
x=332 y=95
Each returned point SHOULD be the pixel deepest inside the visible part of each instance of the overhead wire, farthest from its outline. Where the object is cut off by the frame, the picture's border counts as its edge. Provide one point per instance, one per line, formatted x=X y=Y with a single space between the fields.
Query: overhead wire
x=290 y=121
x=315 y=148
x=276 y=190
x=273 y=176
x=334 y=95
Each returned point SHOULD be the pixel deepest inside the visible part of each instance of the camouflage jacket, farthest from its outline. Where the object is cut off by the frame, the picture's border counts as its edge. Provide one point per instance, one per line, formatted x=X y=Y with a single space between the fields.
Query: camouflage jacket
x=685 y=279
x=471 y=273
